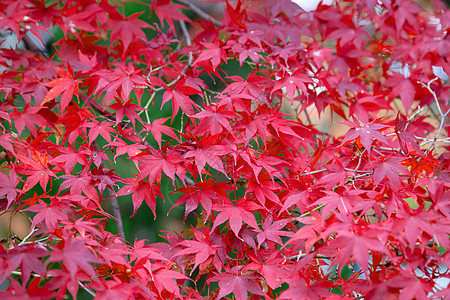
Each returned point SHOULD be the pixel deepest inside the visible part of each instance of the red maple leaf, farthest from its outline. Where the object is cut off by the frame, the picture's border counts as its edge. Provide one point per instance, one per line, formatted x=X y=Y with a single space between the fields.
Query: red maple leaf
x=28 y=257
x=179 y=96
x=123 y=147
x=273 y=269
x=389 y=167
x=8 y=186
x=29 y=118
x=123 y=78
x=128 y=28
x=51 y=214
x=237 y=282
x=128 y=109
x=74 y=255
x=103 y=129
x=167 y=11
x=300 y=290
x=70 y=158
x=271 y=230
x=206 y=152
x=213 y=53
x=157 y=127
x=36 y=168
x=235 y=214
x=155 y=162
x=404 y=88
x=81 y=183
x=214 y=119
x=66 y=86
x=205 y=192
x=365 y=134
x=141 y=190
x=200 y=248
x=343 y=201
x=293 y=82
x=164 y=278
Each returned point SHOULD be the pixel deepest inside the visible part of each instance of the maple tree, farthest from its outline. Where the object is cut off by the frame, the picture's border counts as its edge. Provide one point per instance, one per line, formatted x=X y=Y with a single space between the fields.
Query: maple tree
x=226 y=114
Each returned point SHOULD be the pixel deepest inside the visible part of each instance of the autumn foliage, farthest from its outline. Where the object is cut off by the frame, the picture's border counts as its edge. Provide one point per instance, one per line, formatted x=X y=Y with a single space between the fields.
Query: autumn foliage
x=234 y=115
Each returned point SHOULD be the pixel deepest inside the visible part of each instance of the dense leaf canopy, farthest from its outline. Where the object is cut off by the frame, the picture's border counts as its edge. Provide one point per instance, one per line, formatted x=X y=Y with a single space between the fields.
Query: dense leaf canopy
x=310 y=148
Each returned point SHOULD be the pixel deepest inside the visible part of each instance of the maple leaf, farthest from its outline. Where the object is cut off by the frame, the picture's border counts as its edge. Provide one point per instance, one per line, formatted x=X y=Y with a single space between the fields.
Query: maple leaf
x=167 y=11
x=299 y=289
x=214 y=119
x=202 y=249
x=206 y=152
x=237 y=282
x=365 y=134
x=235 y=214
x=124 y=77
x=344 y=201
x=128 y=28
x=84 y=227
x=74 y=255
x=271 y=230
x=122 y=147
x=389 y=167
x=359 y=245
x=250 y=88
x=82 y=183
x=66 y=86
x=70 y=158
x=309 y=233
x=179 y=96
x=6 y=141
x=104 y=178
x=272 y=269
x=103 y=129
x=402 y=87
x=140 y=190
x=115 y=289
x=142 y=250
x=157 y=127
x=37 y=168
x=411 y=227
x=156 y=162
x=337 y=176
x=205 y=192
x=8 y=186
x=33 y=291
x=213 y=53
x=245 y=53
x=129 y=109
x=51 y=214
x=28 y=257
x=292 y=82
x=412 y=287
x=29 y=118
x=263 y=189
x=164 y=278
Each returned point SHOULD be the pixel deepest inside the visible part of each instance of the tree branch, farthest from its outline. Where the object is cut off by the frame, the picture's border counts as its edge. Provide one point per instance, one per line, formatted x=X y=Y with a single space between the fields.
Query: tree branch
x=200 y=12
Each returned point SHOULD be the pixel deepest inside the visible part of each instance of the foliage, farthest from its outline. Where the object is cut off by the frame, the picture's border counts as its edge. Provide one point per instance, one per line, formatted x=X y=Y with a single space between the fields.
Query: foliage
x=223 y=115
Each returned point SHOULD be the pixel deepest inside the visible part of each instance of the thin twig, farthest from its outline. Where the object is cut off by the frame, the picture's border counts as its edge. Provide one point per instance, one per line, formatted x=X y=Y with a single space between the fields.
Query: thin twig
x=440 y=129
x=200 y=12
x=87 y=289
x=428 y=87
x=24 y=241
x=314 y=172
x=114 y=202
x=314 y=209
x=116 y=213
x=301 y=255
